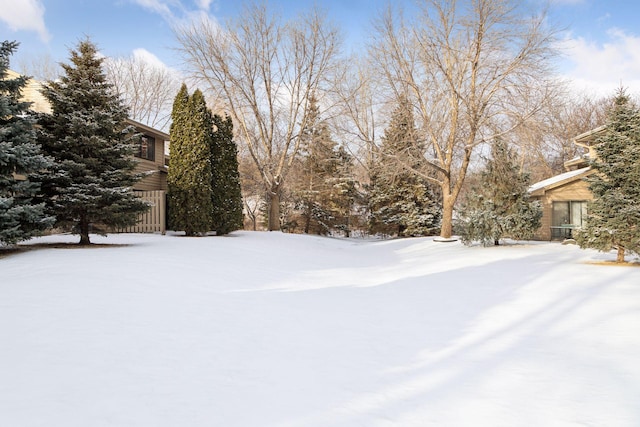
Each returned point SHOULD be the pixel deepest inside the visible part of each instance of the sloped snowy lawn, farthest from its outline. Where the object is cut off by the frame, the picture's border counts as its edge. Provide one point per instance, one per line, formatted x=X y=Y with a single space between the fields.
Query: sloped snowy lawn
x=269 y=329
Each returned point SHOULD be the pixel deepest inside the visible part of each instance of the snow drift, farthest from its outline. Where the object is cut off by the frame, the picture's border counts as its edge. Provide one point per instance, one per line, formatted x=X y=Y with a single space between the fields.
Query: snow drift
x=268 y=329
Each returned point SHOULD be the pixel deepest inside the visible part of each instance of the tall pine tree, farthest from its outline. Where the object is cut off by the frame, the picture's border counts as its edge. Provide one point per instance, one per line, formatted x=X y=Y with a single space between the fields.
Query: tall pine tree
x=401 y=202
x=90 y=184
x=499 y=205
x=319 y=164
x=226 y=195
x=345 y=192
x=189 y=180
x=20 y=218
x=613 y=217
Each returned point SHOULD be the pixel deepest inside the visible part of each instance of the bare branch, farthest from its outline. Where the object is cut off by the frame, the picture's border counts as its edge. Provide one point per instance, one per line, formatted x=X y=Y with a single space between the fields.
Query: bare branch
x=470 y=69
x=264 y=70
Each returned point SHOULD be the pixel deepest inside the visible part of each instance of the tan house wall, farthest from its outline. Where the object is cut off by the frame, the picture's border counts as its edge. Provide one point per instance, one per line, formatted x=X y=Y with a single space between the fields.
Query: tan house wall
x=577 y=190
x=31 y=93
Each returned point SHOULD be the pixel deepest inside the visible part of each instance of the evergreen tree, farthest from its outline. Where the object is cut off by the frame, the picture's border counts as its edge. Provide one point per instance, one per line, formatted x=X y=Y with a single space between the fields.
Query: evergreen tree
x=189 y=179
x=345 y=191
x=20 y=218
x=225 y=178
x=179 y=132
x=613 y=217
x=401 y=202
x=499 y=205
x=92 y=147
x=319 y=166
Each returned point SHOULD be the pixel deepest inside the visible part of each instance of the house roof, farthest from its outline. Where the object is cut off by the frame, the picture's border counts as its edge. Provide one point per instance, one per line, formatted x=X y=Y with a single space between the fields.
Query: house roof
x=587 y=139
x=540 y=187
x=155 y=132
x=589 y=136
x=577 y=162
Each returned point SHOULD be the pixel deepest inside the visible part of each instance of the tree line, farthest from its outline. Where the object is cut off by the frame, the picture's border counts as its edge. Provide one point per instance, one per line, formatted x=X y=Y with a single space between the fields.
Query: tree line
x=467 y=73
x=454 y=98
x=452 y=109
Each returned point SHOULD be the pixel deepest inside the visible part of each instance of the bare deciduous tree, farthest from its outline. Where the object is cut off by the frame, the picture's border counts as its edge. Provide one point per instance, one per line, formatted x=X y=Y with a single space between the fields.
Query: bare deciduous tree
x=356 y=102
x=546 y=142
x=41 y=67
x=252 y=190
x=146 y=87
x=474 y=70
x=265 y=71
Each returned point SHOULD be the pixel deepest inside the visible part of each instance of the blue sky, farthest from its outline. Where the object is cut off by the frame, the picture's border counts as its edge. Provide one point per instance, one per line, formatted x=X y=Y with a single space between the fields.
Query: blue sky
x=601 y=42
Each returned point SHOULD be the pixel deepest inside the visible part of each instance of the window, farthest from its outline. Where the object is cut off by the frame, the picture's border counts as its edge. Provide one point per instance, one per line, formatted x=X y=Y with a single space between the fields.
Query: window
x=566 y=216
x=146 y=148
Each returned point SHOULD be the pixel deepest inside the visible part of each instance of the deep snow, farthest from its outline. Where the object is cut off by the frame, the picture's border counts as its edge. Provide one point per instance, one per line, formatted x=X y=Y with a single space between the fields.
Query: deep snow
x=270 y=329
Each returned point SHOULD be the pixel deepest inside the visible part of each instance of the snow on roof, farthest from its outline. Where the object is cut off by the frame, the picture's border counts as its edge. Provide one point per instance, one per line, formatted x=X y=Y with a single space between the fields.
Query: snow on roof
x=558 y=178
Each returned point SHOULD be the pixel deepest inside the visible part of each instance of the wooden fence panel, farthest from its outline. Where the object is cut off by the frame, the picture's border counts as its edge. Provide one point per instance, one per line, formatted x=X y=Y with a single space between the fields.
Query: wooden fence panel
x=155 y=219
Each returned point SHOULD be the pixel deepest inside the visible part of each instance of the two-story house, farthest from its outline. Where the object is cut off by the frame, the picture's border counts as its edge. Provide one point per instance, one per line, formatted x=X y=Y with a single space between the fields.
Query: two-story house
x=151 y=159
x=564 y=197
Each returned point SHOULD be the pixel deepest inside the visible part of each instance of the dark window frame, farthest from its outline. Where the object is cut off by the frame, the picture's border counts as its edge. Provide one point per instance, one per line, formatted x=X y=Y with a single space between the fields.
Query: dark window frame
x=573 y=209
x=147 y=148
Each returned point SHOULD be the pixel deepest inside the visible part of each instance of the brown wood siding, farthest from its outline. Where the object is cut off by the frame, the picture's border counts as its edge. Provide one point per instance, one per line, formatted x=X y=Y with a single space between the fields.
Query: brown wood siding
x=157 y=179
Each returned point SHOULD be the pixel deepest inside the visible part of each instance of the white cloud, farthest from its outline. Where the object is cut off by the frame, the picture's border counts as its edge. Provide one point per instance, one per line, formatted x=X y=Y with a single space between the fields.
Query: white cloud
x=27 y=15
x=148 y=57
x=204 y=4
x=144 y=56
x=161 y=7
x=176 y=13
x=602 y=67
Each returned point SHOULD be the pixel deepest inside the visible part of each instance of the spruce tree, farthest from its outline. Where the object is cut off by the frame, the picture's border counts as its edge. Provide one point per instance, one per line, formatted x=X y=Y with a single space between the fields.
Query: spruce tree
x=499 y=205
x=319 y=163
x=401 y=202
x=345 y=190
x=226 y=195
x=613 y=217
x=189 y=179
x=20 y=217
x=90 y=184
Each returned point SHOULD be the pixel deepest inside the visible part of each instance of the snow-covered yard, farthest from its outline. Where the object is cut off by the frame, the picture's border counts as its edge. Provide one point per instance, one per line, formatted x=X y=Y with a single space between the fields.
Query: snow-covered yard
x=269 y=329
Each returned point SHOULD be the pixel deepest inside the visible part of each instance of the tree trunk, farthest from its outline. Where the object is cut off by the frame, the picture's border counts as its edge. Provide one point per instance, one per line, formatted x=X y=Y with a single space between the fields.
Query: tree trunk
x=446 y=229
x=84 y=232
x=274 y=211
x=620 y=257
x=307 y=220
x=347 y=230
x=252 y=216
